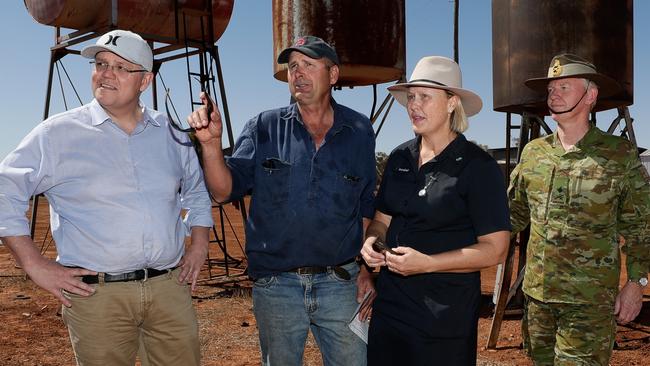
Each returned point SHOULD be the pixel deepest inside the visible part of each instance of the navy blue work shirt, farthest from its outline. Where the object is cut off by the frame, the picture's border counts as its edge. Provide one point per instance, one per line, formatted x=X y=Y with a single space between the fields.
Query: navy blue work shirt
x=307 y=204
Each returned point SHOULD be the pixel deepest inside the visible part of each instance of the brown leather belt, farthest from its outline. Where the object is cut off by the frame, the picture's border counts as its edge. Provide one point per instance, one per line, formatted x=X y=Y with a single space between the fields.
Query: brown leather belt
x=337 y=269
x=139 y=275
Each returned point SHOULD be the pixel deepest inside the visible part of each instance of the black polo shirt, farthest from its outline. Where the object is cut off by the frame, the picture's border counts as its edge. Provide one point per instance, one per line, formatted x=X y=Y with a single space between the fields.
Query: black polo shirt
x=447 y=203
x=463 y=197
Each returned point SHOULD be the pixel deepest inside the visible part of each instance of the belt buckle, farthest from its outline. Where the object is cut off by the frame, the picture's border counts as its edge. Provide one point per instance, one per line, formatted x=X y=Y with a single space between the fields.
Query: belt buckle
x=146 y=275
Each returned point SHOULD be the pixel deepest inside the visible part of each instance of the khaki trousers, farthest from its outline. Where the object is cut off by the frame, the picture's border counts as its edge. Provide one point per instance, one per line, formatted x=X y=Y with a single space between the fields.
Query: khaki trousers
x=105 y=327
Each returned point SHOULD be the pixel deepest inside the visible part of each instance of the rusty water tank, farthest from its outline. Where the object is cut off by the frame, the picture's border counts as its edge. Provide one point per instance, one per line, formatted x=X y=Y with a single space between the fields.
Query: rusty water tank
x=368 y=35
x=526 y=34
x=150 y=18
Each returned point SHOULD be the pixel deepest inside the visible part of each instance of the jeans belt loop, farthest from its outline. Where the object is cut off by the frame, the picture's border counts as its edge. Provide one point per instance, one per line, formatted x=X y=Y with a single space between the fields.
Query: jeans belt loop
x=146 y=275
x=100 y=278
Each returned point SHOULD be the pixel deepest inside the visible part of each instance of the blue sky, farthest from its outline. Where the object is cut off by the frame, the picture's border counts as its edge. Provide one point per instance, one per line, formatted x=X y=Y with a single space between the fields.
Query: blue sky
x=246 y=50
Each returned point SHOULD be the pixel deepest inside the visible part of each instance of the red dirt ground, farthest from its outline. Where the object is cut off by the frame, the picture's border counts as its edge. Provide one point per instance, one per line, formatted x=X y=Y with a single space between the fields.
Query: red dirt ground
x=32 y=332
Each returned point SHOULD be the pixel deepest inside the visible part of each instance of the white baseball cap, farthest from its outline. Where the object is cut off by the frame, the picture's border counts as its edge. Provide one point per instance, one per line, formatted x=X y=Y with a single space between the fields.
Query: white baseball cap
x=125 y=44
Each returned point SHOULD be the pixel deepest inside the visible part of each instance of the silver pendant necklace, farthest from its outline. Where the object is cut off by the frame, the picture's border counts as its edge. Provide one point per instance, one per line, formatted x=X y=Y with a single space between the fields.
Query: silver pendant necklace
x=423 y=191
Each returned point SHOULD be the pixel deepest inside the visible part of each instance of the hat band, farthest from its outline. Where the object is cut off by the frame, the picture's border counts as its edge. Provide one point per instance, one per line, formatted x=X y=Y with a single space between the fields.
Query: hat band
x=569 y=70
x=427 y=80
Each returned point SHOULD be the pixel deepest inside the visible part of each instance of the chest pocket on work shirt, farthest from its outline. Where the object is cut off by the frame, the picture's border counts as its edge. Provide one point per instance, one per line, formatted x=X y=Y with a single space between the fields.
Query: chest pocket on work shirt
x=274 y=177
x=348 y=186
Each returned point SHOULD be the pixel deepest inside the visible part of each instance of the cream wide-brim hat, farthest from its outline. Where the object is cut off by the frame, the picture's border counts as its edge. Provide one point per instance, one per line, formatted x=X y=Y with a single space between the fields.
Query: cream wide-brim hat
x=439 y=73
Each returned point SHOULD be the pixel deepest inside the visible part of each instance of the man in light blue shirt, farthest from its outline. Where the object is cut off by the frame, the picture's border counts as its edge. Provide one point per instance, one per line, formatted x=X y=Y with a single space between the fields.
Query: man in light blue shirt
x=117 y=178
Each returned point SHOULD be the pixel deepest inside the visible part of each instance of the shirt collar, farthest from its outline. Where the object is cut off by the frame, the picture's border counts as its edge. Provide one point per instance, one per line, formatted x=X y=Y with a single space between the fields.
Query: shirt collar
x=98 y=115
x=453 y=151
x=589 y=139
x=586 y=142
x=340 y=120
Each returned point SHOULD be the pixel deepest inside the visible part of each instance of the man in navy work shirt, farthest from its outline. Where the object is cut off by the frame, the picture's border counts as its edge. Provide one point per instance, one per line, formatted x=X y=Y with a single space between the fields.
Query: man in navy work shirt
x=116 y=177
x=311 y=169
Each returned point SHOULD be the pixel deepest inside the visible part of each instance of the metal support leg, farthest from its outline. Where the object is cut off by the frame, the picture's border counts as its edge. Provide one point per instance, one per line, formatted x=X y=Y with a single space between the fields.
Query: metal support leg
x=503 y=287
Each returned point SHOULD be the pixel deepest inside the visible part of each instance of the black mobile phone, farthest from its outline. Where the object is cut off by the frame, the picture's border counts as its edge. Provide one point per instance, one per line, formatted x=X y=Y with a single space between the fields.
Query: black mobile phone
x=379 y=246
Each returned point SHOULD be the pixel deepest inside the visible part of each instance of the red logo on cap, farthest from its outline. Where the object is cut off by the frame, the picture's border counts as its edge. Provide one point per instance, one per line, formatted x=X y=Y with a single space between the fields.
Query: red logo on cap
x=300 y=42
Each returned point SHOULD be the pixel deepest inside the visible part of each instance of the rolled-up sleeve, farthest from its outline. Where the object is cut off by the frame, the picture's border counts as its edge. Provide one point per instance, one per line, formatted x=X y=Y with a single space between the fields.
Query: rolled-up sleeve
x=26 y=171
x=242 y=161
x=370 y=169
x=194 y=195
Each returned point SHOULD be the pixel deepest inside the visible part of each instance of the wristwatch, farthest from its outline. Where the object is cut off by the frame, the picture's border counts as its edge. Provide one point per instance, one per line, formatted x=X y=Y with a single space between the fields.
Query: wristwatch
x=643 y=281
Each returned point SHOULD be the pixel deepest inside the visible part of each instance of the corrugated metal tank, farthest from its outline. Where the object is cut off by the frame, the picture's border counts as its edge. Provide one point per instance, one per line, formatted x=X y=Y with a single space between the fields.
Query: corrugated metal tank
x=150 y=17
x=526 y=34
x=368 y=35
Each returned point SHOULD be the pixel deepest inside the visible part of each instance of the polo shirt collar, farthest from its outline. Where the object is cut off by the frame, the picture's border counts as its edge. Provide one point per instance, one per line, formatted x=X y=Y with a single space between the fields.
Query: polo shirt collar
x=453 y=151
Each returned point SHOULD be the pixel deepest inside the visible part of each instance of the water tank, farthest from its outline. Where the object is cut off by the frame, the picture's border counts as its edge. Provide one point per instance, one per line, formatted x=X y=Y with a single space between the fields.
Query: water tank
x=147 y=17
x=368 y=35
x=526 y=34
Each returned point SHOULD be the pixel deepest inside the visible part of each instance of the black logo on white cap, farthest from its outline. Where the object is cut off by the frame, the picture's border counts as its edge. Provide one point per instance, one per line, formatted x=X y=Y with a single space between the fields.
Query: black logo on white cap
x=112 y=39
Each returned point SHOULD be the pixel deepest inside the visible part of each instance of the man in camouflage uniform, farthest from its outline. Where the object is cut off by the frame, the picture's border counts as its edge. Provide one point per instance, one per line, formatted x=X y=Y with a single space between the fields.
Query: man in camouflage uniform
x=580 y=189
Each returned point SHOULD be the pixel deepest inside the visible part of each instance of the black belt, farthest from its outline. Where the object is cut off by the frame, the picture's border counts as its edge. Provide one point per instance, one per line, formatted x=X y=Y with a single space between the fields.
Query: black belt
x=337 y=269
x=139 y=275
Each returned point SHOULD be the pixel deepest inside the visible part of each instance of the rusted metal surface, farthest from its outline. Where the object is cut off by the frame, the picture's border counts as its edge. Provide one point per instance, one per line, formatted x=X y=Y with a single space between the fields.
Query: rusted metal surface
x=151 y=17
x=368 y=35
x=526 y=34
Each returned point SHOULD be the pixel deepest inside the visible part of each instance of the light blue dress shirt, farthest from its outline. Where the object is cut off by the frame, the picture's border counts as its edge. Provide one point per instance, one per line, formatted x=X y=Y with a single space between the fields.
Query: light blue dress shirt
x=116 y=200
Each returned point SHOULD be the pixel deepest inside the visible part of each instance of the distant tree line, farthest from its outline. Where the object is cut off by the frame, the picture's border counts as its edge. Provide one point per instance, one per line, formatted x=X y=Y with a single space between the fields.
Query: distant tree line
x=381 y=158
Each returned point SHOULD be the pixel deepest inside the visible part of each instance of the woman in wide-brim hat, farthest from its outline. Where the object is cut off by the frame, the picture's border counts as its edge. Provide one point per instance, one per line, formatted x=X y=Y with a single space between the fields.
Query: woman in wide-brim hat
x=442 y=211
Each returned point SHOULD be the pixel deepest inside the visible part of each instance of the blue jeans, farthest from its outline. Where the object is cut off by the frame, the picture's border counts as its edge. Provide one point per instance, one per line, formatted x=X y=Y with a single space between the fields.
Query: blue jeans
x=288 y=305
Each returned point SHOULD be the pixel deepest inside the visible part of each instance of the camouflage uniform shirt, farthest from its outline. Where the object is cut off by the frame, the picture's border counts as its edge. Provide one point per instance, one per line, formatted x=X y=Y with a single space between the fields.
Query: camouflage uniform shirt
x=578 y=202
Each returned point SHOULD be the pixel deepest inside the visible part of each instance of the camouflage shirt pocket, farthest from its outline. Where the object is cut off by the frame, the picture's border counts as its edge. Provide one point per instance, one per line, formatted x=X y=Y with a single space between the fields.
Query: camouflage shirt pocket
x=539 y=188
x=594 y=193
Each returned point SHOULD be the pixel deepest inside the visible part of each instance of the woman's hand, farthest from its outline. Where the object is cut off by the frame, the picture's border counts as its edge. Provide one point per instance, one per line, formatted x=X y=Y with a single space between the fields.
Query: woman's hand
x=408 y=261
x=372 y=258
